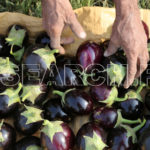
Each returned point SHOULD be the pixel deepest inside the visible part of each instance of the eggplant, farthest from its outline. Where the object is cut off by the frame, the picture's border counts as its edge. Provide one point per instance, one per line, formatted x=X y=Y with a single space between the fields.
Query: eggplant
x=147 y=100
x=110 y=117
x=28 y=120
x=17 y=40
x=105 y=94
x=56 y=135
x=28 y=143
x=88 y=55
x=144 y=141
x=91 y=137
x=114 y=70
x=64 y=77
x=43 y=39
x=145 y=128
x=37 y=62
x=75 y=101
x=123 y=137
x=9 y=101
x=33 y=93
x=132 y=108
x=53 y=111
x=7 y=136
x=8 y=74
x=3 y=47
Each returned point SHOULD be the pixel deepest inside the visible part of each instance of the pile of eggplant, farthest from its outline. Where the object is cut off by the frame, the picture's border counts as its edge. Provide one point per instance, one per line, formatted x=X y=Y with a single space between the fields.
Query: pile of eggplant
x=42 y=93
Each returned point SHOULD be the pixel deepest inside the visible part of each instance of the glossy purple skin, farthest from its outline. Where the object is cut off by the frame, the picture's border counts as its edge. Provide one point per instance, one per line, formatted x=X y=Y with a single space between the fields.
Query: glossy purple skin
x=118 y=140
x=53 y=111
x=78 y=102
x=131 y=109
x=61 y=140
x=145 y=128
x=89 y=53
x=100 y=93
x=26 y=142
x=87 y=130
x=106 y=117
x=9 y=136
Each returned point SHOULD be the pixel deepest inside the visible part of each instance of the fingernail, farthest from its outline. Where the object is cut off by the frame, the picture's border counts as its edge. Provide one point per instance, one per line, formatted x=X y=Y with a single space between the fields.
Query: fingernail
x=82 y=35
x=106 y=53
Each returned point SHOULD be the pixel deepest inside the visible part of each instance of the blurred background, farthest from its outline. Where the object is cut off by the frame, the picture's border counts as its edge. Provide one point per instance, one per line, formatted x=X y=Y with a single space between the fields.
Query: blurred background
x=33 y=7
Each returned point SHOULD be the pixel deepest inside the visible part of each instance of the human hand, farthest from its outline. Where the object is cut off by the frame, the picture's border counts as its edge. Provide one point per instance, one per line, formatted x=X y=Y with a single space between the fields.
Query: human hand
x=56 y=15
x=128 y=33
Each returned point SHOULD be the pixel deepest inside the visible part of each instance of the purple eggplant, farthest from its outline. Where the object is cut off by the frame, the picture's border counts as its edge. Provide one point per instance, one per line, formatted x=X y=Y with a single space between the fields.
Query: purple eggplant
x=9 y=101
x=91 y=136
x=56 y=135
x=123 y=137
x=110 y=117
x=75 y=101
x=53 y=111
x=7 y=136
x=88 y=55
x=28 y=120
x=28 y=143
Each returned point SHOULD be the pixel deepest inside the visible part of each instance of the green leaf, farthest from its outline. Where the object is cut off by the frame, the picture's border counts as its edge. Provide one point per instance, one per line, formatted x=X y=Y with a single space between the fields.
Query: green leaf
x=33 y=147
x=46 y=55
x=6 y=66
x=31 y=93
x=51 y=128
x=94 y=143
x=116 y=73
x=16 y=37
x=32 y=114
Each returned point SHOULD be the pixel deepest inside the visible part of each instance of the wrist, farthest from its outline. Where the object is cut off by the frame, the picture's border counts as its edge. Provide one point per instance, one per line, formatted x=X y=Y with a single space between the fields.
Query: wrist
x=125 y=7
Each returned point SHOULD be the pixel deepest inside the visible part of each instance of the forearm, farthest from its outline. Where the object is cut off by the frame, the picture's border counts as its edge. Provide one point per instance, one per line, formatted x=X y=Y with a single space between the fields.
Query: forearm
x=126 y=7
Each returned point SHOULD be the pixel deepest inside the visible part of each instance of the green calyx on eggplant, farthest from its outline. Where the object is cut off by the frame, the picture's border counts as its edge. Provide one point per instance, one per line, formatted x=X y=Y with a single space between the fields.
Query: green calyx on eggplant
x=110 y=117
x=33 y=94
x=115 y=70
x=28 y=143
x=53 y=111
x=8 y=73
x=16 y=40
x=9 y=100
x=56 y=135
x=7 y=136
x=123 y=136
x=91 y=136
x=28 y=120
x=108 y=95
x=39 y=60
x=75 y=101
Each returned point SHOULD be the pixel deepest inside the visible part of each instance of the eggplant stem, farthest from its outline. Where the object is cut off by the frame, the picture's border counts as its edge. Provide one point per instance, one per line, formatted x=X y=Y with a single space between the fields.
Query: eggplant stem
x=56 y=92
x=19 y=88
x=54 y=51
x=140 y=88
x=7 y=61
x=26 y=96
x=11 y=49
x=139 y=126
x=1 y=123
x=131 y=121
x=121 y=99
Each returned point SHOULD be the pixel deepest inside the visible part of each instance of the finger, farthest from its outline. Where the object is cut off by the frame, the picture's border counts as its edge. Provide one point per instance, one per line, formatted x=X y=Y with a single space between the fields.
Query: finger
x=112 y=48
x=76 y=27
x=68 y=40
x=131 y=71
x=142 y=65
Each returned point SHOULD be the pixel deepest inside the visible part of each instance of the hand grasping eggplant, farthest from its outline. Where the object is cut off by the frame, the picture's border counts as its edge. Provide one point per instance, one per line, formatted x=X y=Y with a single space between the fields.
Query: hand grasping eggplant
x=128 y=33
